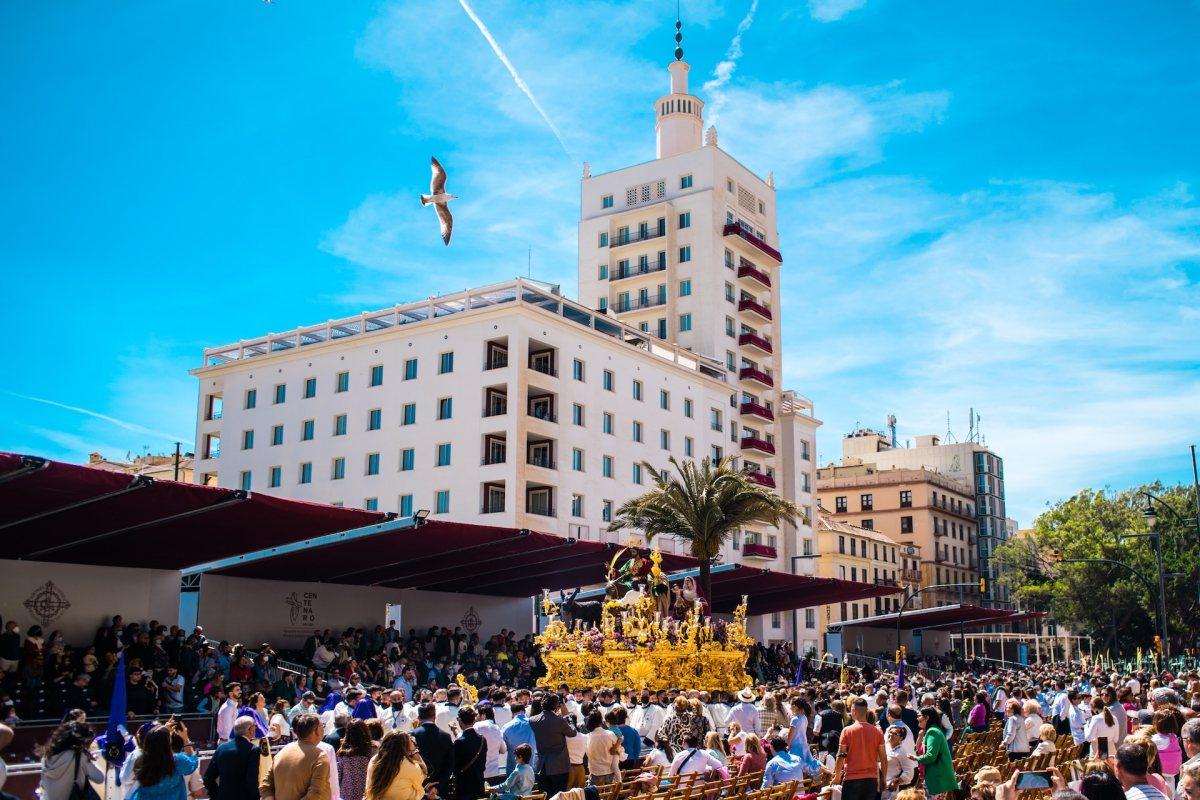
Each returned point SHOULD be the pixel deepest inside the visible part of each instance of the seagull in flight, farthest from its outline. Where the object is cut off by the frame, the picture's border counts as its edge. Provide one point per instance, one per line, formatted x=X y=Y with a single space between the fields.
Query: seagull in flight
x=440 y=201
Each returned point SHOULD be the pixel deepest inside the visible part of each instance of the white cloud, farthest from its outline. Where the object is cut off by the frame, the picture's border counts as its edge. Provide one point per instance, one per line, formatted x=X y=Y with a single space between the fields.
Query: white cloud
x=833 y=10
x=724 y=70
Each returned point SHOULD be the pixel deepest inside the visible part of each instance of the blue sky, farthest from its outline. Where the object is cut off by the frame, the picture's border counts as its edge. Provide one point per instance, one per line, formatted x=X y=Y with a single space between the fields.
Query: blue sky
x=981 y=205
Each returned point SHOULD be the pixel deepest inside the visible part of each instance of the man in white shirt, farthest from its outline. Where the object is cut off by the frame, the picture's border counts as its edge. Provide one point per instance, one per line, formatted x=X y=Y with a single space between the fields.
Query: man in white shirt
x=227 y=713
x=692 y=759
x=744 y=713
x=447 y=712
x=648 y=718
x=497 y=755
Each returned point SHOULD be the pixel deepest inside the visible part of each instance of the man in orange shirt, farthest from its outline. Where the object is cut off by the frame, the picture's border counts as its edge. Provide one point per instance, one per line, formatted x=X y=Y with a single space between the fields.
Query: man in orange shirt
x=861 y=759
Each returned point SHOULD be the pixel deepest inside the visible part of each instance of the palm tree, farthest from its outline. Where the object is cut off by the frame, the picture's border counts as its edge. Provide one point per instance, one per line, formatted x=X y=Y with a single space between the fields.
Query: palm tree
x=702 y=503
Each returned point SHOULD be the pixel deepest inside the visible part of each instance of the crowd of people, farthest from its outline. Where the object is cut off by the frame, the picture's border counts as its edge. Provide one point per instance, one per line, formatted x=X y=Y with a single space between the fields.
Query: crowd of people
x=382 y=717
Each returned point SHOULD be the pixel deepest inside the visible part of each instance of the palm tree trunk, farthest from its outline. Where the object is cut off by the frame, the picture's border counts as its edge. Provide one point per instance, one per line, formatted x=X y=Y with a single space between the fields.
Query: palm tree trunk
x=706 y=581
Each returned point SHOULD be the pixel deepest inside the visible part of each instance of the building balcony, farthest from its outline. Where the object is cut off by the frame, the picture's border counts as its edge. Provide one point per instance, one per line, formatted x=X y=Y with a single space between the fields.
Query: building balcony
x=762 y=479
x=757 y=376
x=939 y=532
x=761 y=445
x=910 y=575
x=755 y=410
x=733 y=229
x=763 y=551
x=633 y=237
x=748 y=270
x=753 y=340
x=885 y=582
x=634 y=271
x=756 y=308
x=636 y=304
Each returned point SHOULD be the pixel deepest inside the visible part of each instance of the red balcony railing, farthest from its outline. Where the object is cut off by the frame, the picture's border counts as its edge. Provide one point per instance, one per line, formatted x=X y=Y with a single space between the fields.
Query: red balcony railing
x=754 y=307
x=752 y=443
x=762 y=479
x=752 y=374
x=754 y=340
x=757 y=410
x=758 y=551
x=748 y=270
x=733 y=229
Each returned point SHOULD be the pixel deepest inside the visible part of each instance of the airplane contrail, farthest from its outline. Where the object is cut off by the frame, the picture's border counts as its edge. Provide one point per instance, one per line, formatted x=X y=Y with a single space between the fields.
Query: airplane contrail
x=120 y=423
x=524 y=87
x=724 y=70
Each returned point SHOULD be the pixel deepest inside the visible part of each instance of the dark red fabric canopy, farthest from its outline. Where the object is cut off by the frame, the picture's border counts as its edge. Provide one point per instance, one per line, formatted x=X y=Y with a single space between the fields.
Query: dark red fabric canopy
x=955 y=616
x=51 y=511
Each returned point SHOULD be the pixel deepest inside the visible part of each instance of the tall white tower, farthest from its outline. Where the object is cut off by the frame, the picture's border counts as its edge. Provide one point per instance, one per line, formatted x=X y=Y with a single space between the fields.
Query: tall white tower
x=679 y=121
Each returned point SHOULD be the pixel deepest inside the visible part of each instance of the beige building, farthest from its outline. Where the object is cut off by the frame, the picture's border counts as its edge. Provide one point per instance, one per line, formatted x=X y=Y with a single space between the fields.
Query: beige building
x=918 y=508
x=159 y=467
x=853 y=553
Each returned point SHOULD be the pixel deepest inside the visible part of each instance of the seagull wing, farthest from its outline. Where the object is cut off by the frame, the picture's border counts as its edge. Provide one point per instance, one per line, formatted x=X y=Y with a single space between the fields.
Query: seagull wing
x=447 y=220
x=437 y=181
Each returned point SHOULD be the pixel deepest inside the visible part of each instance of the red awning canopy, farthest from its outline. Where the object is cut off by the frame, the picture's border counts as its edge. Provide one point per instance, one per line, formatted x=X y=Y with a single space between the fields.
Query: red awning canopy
x=51 y=511
x=954 y=616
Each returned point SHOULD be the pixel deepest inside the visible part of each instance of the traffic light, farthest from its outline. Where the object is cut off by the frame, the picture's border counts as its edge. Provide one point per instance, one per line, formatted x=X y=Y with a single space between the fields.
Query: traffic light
x=982 y=585
x=1158 y=644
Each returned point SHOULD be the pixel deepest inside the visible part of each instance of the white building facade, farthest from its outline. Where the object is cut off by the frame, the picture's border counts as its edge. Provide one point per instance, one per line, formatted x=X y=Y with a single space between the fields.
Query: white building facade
x=512 y=405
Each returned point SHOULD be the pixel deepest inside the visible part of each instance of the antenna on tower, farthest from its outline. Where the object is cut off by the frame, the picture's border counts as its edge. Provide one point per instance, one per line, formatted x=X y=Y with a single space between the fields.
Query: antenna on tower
x=949 y=433
x=891 y=423
x=529 y=261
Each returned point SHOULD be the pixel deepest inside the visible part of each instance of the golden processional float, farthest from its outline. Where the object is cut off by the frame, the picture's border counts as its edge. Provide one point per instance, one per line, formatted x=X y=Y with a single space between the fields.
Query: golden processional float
x=636 y=645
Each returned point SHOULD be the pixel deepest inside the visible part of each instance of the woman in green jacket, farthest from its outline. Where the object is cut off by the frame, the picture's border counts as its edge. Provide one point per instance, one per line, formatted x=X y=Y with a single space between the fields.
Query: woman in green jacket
x=938 y=763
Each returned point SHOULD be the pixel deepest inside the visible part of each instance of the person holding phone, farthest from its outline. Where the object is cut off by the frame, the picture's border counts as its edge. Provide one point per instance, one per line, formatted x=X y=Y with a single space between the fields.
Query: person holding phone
x=1101 y=732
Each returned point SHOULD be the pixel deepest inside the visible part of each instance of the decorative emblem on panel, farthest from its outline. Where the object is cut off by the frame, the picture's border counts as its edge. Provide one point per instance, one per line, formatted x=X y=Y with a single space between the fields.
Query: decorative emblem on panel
x=471 y=620
x=47 y=603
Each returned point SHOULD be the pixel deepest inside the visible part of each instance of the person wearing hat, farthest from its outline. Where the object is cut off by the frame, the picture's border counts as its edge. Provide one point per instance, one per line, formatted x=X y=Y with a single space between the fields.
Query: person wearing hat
x=744 y=712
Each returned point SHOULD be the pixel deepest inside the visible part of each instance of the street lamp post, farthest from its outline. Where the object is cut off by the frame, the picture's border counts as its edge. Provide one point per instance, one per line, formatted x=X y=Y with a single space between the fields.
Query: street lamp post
x=1162 y=614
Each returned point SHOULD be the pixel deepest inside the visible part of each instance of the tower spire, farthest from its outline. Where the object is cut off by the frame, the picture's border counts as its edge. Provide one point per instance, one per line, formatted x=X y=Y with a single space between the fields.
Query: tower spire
x=678 y=33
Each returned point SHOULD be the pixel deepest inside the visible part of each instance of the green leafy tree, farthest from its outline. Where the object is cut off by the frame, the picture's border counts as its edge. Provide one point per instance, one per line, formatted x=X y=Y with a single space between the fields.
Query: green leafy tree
x=702 y=504
x=1103 y=600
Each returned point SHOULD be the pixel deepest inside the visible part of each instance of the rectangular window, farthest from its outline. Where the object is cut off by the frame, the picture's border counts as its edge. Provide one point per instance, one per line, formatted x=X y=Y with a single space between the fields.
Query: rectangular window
x=445 y=408
x=343 y=382
x=608 y=380
x=339 y=425
x=664 y=399
x=606 y=511
x=576 y=505
x=866 y=502
x=688 y=446
x=685 y=288
x=576 y=414
x=371 y=504
x=804 y=454
x=637 y=431
x=839 y=503
x=729 y=296
x=245 y=482
x=276 y=477
x=601 y=303
x=410 y=369
x=602 y=272
x=714 y=419
x=446 y=363
x=687 y=407
x=407 y=458
x=276 y=435
x=607 y=423
x=280 y=393
x=376 y=375
x=307 y=428
x=406 y=509
x=869 y=524
x=409 y=414
x=637 y=390
x=577 y=369
x=606 y=201
x=685 y=182
x=685 y=323
x=310 y=387
x=247 y=440
x=443 y=454
x=339 y=469
x=374 y=419
x=306 y=472
x=577 y=459
x=372 y=463
x=441 y=502
x=685 y=219
x=637 y=473
x=685 y=254
x=251 y=398
x=906 y=500
x=716 y=454
x=664 y=439
x=603 y=240
x=606 y=466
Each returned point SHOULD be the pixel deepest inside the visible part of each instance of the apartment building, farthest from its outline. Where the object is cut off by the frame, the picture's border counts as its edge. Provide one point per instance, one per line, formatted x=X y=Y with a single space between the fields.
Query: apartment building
x=917 y=508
